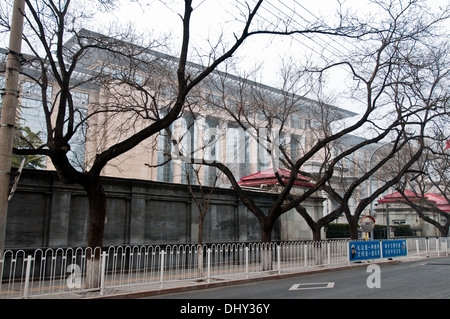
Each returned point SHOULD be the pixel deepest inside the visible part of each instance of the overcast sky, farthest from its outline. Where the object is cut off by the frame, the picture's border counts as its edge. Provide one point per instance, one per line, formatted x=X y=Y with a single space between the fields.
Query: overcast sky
x=212 y=18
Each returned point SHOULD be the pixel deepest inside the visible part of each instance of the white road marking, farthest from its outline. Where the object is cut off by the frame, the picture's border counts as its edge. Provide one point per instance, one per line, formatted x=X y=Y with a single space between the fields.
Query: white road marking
x=304 y=286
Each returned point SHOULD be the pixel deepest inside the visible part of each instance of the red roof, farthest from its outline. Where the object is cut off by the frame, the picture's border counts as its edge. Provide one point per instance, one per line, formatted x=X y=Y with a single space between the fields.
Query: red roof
x=440 y=201
x=397 y=197
x=267 y=177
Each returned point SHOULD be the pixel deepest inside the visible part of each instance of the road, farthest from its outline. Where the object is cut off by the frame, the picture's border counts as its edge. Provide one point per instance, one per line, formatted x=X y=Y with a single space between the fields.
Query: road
x=424 y=279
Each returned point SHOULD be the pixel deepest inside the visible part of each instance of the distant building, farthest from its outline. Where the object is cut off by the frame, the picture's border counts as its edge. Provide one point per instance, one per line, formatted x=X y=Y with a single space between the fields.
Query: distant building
x=392 y=210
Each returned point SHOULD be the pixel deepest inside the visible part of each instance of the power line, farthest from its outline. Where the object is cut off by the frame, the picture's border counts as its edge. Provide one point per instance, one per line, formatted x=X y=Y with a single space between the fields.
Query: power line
x=323 y=45
x=323 y=22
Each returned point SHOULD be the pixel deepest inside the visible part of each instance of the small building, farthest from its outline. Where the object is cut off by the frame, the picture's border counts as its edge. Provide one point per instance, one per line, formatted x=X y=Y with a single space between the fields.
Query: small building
x=392 y=210
x=292 y=225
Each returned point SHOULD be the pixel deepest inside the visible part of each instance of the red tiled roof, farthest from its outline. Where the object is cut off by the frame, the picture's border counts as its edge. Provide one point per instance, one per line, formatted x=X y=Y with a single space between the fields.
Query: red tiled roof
x=397 y=197
x=267 y=177
x=440 y=201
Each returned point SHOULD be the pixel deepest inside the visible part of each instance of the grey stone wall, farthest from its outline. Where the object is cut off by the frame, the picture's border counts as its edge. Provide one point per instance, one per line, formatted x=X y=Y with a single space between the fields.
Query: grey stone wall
x=45 y=212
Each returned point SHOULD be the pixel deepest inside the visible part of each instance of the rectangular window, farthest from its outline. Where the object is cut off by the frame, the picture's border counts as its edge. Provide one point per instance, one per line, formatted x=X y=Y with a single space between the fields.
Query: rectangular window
x=30 y=107
x=165 y=171
x=212 y=149
x=78 y=141
x=189 y=148
x=296 y=122
x=31 y=112
x=237 y=150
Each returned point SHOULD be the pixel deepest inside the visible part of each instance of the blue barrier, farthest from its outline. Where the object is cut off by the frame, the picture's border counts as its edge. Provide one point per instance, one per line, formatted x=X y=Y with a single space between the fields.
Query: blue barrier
x=394 y=248
x=372 y=249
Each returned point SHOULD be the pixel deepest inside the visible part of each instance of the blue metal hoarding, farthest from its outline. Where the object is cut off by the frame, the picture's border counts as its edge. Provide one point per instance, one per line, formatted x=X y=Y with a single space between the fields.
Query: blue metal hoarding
x=394 y=248
x=364 y=250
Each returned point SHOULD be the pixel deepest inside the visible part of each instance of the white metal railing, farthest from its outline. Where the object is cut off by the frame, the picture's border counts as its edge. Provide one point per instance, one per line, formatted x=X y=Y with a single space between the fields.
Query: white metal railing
x=50 y=271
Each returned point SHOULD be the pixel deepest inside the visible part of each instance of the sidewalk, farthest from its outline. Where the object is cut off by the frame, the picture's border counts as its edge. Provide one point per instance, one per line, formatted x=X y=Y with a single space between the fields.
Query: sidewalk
x=155 y=289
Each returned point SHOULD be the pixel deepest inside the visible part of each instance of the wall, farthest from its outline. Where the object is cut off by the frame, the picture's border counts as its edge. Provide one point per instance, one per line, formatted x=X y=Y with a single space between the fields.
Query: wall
x=45 y=212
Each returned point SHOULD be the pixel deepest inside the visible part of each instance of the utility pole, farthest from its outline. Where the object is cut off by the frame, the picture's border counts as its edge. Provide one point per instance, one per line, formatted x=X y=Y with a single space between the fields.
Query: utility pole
x=8 y=116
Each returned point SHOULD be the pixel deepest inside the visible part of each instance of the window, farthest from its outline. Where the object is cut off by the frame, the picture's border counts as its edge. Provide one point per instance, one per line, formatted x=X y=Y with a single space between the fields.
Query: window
x=298 y=146
x=76 y=154
x=165 y=170
x=296 y=122
x=212 y=149
x=263 y=156
x=189 y=148
x=31 y=113
x=30 y=107
x=237 y=155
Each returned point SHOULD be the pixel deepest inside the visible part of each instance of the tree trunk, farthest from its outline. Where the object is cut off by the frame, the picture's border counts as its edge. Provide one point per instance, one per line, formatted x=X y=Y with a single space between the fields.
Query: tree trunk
x=97 y=212
x=444 y=232
x=266 y=251
x=353 y=224
x=316 y=233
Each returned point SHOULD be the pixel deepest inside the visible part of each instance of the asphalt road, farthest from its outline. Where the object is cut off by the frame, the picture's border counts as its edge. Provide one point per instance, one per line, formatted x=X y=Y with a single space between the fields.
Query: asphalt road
x=424 y=279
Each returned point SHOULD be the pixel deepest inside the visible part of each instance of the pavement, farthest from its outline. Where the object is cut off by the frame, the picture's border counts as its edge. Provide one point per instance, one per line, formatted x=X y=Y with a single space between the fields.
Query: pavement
x=156 y=289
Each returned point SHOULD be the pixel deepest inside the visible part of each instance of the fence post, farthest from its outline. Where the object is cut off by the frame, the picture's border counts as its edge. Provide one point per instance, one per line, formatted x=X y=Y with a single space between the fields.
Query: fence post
x=279 y=258
x=446 y=246
x=305 y=249
x=208 y=258
x=347 y=246
x=417 y=248
x=438 y=248
x=27 y=277
x=102 y=274
x=246 y=262
x=161 y=278
x=329 y=254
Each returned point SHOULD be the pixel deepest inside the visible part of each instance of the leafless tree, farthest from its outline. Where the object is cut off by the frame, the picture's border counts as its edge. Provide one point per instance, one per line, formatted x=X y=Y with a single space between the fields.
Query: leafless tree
x=431 y=176
x=60 y=49
x=380 y=69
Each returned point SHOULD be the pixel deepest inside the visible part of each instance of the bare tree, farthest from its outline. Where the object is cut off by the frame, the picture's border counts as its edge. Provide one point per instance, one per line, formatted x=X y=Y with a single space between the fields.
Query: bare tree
x=379 y=68
x=431 y=177
x=200 y=192
x=202 y=202
x=58 y=60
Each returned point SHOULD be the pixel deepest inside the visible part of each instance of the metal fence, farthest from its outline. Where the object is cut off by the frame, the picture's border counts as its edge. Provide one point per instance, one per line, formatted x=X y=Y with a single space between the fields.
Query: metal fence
x=50 y=271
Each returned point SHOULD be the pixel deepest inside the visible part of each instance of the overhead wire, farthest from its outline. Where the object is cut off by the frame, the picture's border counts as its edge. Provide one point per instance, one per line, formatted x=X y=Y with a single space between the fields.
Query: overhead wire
x=319 y=42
